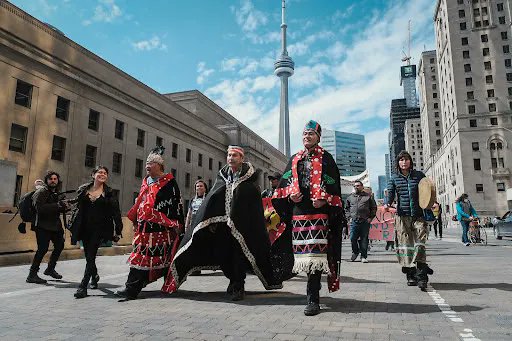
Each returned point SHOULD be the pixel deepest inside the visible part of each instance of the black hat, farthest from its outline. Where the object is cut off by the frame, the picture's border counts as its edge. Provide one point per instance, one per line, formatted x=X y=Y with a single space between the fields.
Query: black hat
x=276 y=175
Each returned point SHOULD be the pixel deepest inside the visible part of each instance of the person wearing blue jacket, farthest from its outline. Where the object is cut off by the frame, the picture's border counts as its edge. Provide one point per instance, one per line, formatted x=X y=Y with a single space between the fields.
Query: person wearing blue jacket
x=411 y=230
x=465 y=213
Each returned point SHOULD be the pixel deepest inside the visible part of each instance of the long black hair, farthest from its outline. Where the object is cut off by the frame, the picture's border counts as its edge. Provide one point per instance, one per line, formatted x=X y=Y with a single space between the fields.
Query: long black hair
x=462 y=197
x=205 y=186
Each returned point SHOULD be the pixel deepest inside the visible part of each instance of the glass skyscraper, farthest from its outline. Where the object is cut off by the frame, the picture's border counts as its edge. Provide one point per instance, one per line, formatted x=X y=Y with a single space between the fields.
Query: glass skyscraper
x=348 y=150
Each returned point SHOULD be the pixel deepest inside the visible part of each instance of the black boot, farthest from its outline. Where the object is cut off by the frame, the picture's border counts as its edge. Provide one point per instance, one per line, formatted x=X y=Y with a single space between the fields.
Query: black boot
x=126 y=294
x=410 y=274
x=94 y=281
x=34 y=278
x=81 y=292
x=422 y=273
x=238 y=291
x=313 y=294
x=50 y=271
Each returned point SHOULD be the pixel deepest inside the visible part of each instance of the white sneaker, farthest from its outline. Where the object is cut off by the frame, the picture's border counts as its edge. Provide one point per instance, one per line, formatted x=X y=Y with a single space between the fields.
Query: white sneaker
x=364 y=260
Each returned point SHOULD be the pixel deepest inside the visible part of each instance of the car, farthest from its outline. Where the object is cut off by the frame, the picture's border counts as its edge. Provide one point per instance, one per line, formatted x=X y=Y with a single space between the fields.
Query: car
x=503 y=225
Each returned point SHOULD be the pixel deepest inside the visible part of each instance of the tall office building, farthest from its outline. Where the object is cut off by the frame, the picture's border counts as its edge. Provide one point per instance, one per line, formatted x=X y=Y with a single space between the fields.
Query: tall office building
x=430 y=110
x=387 y=165
x=383 y=183
x=408 y=82
x=348 y=150
x=475 y=83
x=414 y=142
x=399 y=113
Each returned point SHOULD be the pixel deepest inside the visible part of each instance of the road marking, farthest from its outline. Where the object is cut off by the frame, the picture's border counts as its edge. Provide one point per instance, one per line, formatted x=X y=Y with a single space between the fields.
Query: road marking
x=467 y=334
x=49 y=287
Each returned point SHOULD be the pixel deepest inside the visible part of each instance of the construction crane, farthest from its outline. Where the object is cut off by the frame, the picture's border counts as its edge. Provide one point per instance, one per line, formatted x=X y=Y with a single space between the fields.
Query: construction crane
x=407 y=56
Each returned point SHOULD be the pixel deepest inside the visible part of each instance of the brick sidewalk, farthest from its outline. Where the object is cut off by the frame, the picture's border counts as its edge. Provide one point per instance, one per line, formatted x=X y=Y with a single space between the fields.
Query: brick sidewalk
x=374 y=303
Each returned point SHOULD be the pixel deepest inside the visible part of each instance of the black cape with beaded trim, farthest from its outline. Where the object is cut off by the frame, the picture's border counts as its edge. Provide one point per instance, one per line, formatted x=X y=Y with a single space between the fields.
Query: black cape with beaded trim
x=203 y=246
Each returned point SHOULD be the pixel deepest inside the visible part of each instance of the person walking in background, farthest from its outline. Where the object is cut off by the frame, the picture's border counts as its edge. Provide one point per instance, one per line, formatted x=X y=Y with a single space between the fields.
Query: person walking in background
x=201 y=189
x=96 y=218
x=465 y=214
x=410 y=226
x=48 y=226
x=438 y=223
x=274 y=181
x=361 y=208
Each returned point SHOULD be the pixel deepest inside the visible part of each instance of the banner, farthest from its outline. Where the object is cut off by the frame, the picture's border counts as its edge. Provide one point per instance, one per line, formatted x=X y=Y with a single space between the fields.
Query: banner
x=383 y=225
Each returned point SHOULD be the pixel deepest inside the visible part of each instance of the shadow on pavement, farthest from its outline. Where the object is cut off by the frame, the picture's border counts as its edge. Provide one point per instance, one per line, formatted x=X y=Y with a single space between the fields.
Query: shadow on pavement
x=329 y=304
x=67 y=284
x=469 y=286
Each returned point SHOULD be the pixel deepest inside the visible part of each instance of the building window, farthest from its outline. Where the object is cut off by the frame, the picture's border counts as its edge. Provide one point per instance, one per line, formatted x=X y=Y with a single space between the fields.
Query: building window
x=476 y=12
x=471 y=109
x=436 y=114
x=119 y=130
x=469 y=81
x=94 y=120
x=175 y=150
x=500 y=186
x=139 y=164
x=500 y=7
x=434 y=86
x=62 y=109
x=432 y=61
x=187 y=180
x=465 y=54
x=438 y=132
x=509 y=76
x=438 y=142
x=484 y=38
x=490 y=92
x=58 y=148
x=460 y=2
x=504 y=35
x=220 y=165
x=462 y=26
x=434 y=95
x=494 y=163
x=501 y=20
x=479 y=188
x=478 y=24
x=188 y=155
x=492 y=107
x=200 y=160
x=476 y=164
x=18 y=139
x=487 y=65
x=117 y=163
x=508 y=63
x=470 y=95
x=484 y=10
x=472 y=123
x=174 y=171
x=141 y=136
x=464 y=41
x=437 y=123
x=475 y=146
x=210 y=163
x=462 y=13
x=488 y=79
x=436 y=105
x=90 y=156
x=159 y=141
x=467 y=67
x=485 y=51
x=433 y=77
x=23 y=95
x=494 y=121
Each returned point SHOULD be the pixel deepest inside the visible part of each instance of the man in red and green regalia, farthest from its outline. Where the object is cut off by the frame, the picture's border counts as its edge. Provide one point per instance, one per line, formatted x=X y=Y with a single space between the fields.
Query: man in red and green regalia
x=157 y=218
x=308 y=201
x=228 y=232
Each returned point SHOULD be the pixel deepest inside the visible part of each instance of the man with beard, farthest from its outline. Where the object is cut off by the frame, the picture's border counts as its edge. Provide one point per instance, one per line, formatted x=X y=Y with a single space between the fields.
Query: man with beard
x=228 y=232
x=48 y=226
x=308 y=201
x=157 y=218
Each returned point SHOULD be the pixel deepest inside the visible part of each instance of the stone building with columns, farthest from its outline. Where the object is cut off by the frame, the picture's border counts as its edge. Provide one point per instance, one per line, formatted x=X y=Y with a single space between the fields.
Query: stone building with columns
x=64 y=108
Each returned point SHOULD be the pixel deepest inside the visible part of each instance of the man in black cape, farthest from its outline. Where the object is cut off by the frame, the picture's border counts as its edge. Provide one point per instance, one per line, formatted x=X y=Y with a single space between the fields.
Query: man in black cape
x=308 y=201
x=228 y=232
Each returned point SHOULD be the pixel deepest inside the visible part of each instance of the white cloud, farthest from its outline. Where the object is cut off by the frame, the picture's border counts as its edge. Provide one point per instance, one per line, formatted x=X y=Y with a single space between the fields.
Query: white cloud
x=106 y=11
x=249 y=18
x=154 y=43
x=203 y=72
x=45 y=7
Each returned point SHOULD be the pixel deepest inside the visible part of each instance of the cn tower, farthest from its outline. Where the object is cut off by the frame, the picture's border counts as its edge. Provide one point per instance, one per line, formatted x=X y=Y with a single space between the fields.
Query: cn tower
x=283 y=68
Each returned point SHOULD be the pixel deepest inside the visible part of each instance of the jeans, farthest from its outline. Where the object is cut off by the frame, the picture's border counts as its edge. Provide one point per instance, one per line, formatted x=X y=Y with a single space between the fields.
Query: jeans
x=43 y=238
x=359 y=237
x=465 y=229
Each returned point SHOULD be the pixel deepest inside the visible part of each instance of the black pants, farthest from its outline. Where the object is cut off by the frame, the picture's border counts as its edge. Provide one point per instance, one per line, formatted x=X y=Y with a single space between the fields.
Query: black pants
x=231 y=258
x=43 y=238
x=313 y=286
x=91 y=246
x=439 y=224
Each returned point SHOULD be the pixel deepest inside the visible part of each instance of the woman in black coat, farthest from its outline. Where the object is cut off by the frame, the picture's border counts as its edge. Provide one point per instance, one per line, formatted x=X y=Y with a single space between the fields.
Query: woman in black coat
x=97 y=218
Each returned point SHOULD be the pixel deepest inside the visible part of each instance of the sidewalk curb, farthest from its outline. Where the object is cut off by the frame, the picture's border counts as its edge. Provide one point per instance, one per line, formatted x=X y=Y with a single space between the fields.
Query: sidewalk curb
x=26 y=257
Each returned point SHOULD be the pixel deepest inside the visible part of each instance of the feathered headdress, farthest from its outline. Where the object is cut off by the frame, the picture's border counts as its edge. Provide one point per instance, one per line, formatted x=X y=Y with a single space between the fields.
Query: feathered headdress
x=155 y=155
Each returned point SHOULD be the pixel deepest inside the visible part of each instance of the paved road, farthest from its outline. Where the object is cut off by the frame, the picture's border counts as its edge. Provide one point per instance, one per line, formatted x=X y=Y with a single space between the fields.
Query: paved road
x=470 y=298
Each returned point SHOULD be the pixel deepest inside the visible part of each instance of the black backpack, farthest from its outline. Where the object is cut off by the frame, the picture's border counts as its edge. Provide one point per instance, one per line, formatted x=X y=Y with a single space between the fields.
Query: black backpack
x=26 y=210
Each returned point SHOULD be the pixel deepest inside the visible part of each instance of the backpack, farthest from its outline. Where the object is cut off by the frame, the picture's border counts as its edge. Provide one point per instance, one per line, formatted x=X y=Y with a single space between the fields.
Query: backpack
x=26 y=208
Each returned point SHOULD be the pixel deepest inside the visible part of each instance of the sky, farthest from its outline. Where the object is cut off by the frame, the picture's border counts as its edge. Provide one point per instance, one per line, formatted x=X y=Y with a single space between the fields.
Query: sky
x=347 y=55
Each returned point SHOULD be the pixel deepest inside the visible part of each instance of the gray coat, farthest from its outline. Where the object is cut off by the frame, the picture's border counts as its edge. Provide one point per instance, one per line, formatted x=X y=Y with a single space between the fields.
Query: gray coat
x=361 y=206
